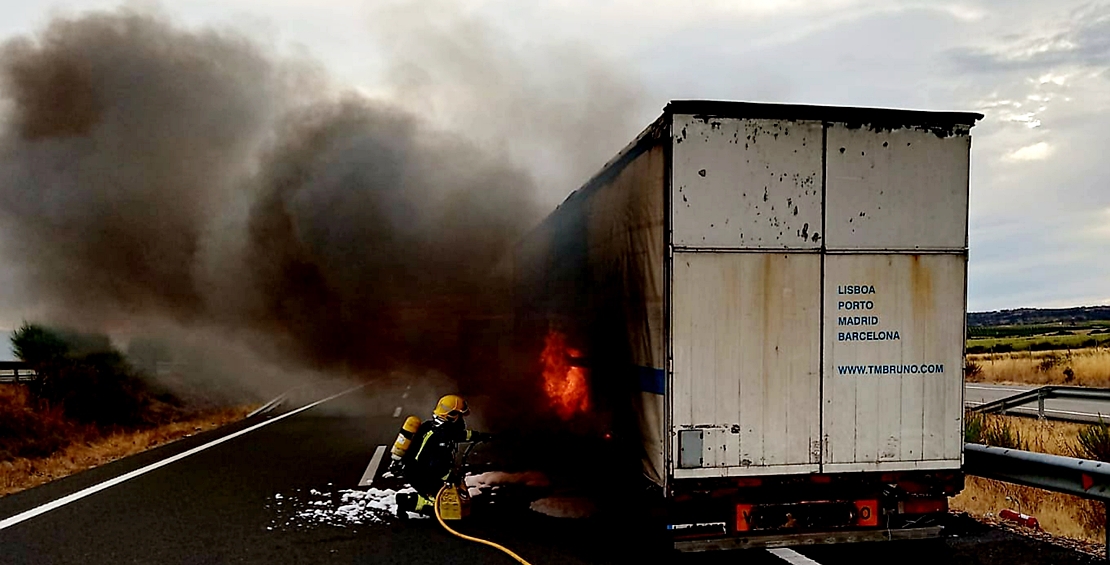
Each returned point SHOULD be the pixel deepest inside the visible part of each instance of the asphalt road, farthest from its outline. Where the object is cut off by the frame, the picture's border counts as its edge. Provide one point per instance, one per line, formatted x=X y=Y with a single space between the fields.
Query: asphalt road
x=220 y=505
x=1060 y=409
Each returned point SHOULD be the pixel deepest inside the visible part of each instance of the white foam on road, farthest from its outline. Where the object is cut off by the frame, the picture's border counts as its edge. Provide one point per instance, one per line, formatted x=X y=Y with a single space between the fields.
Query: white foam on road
x=39 y=510
x=792 y=557
x=342 y=509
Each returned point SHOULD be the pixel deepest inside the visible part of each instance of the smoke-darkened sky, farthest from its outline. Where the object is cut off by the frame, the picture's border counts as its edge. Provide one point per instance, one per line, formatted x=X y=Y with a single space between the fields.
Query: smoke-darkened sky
x=158 y=174
x=527 y=82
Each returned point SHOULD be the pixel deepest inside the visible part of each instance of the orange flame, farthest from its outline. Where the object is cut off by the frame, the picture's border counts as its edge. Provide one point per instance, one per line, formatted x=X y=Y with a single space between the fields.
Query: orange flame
x=564 y=383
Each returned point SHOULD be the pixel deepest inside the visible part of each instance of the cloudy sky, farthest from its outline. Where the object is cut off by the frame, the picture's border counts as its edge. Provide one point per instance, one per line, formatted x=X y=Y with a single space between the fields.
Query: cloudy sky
x=1040 y=205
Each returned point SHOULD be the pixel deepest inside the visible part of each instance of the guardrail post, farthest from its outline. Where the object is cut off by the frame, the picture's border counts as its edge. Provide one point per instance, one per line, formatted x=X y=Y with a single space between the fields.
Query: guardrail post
x=1040 y=406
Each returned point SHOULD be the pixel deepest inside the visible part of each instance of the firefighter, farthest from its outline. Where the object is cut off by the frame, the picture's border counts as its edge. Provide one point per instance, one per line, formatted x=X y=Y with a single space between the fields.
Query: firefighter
x=428 y=463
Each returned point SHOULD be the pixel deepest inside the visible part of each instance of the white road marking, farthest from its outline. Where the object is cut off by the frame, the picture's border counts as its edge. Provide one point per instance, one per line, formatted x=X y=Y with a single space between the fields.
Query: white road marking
x=792 y=557
x=406 y=395
x=396 y=411
x=372 y=468
x=23 y=516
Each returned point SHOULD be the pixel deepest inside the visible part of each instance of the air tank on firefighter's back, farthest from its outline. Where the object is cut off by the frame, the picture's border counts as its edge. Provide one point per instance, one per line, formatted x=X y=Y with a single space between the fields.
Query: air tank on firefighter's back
x=404 y=438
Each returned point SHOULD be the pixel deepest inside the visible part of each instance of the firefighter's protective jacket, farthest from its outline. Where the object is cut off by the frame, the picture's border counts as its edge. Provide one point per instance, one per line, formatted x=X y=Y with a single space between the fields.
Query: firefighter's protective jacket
x=434 y=445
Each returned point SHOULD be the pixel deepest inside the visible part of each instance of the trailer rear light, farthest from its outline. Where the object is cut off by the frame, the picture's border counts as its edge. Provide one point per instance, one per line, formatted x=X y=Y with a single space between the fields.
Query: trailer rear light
x=820 y=479
x=867 y=512
x=923 y=506
x=743 y=517
x=749 y=482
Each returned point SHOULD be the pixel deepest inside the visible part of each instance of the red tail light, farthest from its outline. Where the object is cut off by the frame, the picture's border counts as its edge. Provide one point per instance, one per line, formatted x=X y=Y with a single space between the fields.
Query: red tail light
x=867 y=512
x=743 y=517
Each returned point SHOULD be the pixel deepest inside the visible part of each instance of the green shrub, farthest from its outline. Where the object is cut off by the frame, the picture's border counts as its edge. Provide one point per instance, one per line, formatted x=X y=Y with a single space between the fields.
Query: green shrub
x=973 y=427
x=84 y=375
x=972 y=369
x=1094 y=442
x=992 y=430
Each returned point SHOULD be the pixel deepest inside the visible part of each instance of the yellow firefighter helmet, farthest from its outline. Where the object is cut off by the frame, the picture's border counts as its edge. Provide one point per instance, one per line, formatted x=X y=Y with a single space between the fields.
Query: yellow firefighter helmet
x=451 y=408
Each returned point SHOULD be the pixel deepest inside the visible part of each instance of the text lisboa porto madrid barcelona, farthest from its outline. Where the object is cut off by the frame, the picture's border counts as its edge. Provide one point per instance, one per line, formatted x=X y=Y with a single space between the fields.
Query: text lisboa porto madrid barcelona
x=860 y=321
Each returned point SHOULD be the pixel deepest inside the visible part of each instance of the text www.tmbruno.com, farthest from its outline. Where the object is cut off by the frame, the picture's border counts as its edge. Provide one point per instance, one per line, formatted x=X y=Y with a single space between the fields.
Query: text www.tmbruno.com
x=889 y=369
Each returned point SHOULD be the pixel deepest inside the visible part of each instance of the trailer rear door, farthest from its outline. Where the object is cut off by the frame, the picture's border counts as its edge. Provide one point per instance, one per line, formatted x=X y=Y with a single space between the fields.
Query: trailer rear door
x=747 y=350
x=895 y=287
x=817 y=296
x=746 y=297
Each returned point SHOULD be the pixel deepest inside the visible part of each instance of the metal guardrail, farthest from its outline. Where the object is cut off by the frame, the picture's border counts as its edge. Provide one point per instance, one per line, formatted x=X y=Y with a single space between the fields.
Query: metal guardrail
x=1069 y=475
x=1039 y=395
x=16 y=372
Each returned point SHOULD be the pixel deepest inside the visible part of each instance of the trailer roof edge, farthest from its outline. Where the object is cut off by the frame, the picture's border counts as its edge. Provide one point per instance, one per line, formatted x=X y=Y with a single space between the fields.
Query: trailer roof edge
x=887 y=117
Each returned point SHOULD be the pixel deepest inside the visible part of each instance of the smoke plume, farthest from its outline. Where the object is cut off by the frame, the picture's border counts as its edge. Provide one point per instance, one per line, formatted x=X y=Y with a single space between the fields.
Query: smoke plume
x=159 y=176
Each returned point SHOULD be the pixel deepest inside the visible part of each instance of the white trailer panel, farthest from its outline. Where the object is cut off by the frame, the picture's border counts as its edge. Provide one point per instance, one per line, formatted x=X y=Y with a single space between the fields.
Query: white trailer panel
x=747 y=349
x=897 y=189
x=746 y=183
x=893 y=361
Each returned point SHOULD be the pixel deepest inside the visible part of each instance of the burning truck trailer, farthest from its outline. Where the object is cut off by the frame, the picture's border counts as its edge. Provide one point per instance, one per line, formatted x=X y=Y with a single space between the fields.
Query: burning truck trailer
x=770 y=299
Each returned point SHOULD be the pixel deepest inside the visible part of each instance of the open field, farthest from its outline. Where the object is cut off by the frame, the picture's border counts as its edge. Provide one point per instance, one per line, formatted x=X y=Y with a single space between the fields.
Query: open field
x=1058 y=514
x=1038 y=337
x=1088 y=326
x=1086 y=367
x=22 y=473
x=1077 y=340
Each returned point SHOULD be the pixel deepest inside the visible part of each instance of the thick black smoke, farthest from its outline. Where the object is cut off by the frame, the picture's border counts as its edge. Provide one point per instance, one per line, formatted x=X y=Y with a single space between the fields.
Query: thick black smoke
x=156 y=177
x=122 y=140
x=380 y=230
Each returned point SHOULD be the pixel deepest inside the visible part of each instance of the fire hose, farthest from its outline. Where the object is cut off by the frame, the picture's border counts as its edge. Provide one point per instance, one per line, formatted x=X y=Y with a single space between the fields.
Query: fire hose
x=439 y=495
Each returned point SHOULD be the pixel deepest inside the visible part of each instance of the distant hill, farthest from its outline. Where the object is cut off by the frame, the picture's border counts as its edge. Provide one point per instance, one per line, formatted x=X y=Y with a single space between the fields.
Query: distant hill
x=1027 y=316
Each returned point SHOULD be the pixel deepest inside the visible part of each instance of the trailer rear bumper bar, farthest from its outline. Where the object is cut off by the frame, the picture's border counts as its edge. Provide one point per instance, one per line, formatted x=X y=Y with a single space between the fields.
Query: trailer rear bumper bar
x=809 y=538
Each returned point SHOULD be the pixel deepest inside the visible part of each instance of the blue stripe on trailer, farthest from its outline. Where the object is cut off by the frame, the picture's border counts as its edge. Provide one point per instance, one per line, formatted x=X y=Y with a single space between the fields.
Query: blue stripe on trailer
x=651 y=380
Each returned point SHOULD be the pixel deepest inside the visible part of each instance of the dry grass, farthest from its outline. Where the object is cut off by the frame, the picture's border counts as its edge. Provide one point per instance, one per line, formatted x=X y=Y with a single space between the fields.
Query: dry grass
x=1058 y=514
x=23 y=473
x=30 y=430
x=1089 y=367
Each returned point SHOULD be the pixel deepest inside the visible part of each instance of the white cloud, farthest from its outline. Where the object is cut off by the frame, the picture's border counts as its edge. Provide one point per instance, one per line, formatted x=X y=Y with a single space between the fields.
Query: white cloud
x=1028 y=119
x=1058 y=80
x=1036 y=152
